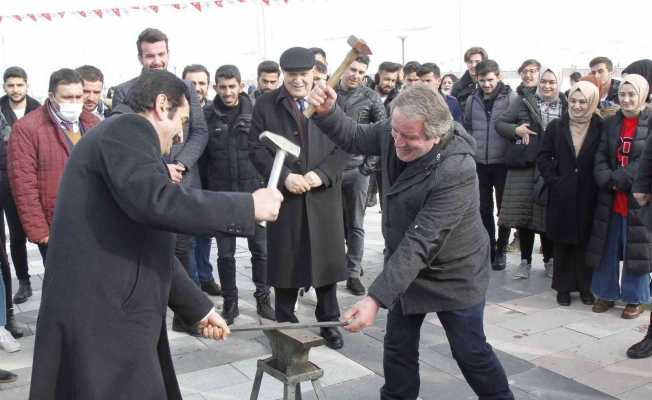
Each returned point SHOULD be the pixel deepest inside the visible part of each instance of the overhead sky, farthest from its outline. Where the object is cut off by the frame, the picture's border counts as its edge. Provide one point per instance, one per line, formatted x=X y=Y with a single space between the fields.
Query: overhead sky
x=559 y=33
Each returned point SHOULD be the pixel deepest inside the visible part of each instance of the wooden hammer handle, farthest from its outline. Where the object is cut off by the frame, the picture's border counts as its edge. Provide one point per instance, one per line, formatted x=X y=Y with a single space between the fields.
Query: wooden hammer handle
x=333 y=79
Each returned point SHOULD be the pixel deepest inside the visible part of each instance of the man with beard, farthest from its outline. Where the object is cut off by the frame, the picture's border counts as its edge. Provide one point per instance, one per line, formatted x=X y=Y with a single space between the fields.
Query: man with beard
x=153 y=54
x=229 y=169
x=469 y=81
x=112 y=272
x=305 y=247
x=365 y=106
x=14 y=105
x=268 y=79
x=200 y=79
x=93 y=85
x=603 y=70
x=386 y=79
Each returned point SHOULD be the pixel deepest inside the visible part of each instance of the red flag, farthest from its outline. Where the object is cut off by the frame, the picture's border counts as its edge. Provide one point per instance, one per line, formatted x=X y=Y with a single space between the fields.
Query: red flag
x=197 y=5
x=82 y=13
x=266 y=2
x=154 y=8
x=32 y=16
x=116 y=11
x=47 y=16
x=18 y=17
x=98 y=12
x=61 y=14
x=219 y=3
x=177 y=6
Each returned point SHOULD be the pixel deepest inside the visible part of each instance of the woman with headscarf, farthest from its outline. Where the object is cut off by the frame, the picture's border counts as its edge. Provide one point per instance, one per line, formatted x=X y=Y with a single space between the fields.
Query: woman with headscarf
x=617 y=232
x=524 y=124
x=642 y=190
x=566 y=162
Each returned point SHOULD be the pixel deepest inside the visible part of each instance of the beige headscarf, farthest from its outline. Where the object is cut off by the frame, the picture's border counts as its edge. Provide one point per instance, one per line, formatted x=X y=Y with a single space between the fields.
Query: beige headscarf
x=641 y=87
x=579 y=122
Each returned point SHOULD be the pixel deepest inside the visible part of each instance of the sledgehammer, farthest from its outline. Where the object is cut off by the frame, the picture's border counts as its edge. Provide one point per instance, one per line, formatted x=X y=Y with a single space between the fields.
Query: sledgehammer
x=284 y=149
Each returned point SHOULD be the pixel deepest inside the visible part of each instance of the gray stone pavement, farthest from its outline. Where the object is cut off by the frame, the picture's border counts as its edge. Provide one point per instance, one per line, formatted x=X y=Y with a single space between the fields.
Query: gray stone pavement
x=549 y=352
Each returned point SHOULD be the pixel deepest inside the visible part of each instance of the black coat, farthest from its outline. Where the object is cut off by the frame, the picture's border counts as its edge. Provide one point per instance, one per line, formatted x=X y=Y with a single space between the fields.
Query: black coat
x=569 y=178
x=195 y=135
x=226 y=163
x=305 y=246
x=10 y=117
x=437 y=250
x=607 y=175
x=111 y=271
x=464 y=88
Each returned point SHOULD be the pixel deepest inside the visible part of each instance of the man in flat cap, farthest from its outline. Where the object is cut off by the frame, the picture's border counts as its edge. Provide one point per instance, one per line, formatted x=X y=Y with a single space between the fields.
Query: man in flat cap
x=305 y=245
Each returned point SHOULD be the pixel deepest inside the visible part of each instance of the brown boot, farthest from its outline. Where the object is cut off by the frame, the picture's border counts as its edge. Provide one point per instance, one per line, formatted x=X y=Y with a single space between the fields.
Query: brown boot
x=632 y=311
x=601 y=306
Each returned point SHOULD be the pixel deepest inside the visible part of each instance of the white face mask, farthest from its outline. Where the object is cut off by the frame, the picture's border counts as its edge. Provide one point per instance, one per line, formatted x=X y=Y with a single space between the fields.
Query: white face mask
x=70 y=111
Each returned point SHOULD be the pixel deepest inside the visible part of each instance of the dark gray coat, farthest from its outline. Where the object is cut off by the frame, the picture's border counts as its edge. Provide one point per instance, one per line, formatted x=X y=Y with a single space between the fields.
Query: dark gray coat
x=607 y=175
x=518 y=209
x=111 y=271
x=365 y=106
x=195 y=135
x=305 y=245
x=437 y=250
x=481 y=124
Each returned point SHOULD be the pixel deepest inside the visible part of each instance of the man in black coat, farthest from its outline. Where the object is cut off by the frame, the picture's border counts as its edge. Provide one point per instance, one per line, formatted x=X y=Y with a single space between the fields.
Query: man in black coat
x=464 y=88
x=437 y=250
x=228 y=168
x=111 y=269
x=153 y=54
x=305 y=247
x=14 y=105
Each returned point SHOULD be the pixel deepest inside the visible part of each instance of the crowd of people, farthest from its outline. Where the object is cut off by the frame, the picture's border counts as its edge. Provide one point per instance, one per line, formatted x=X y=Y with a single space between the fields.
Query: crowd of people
x=442 y=155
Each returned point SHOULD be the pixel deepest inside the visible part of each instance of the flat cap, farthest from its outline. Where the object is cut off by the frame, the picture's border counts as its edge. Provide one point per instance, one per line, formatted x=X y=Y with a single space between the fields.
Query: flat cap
x=297 y=59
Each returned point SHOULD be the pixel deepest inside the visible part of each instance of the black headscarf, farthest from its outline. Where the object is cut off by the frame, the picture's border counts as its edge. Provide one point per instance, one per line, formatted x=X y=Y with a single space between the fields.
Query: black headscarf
x=641 y=67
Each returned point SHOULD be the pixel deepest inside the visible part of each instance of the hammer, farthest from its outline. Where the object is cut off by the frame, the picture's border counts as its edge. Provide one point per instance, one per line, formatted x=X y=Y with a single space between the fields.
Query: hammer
x=358 y=47
x=284 y=148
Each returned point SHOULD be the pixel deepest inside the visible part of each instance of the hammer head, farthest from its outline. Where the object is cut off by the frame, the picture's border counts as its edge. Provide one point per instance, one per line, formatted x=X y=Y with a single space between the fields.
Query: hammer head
x=359 y=45
x=277 y=142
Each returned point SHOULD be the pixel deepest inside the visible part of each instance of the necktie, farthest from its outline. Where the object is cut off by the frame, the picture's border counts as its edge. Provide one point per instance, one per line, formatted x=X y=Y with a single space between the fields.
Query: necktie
x=301 y=104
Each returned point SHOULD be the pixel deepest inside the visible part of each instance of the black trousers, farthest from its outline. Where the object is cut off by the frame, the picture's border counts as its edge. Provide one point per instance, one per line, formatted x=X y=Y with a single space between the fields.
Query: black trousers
x=17 y=238
x=492 y=177
x=327 y=307
x=571 y=274
x=526 y=241
x=4 y=265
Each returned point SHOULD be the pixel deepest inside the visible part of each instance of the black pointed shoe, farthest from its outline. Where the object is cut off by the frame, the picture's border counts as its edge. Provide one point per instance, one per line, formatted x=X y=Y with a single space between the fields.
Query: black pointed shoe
x=24 y=291
x=355 y=286
x=264 y=307
x=333 y=337
x=642 y=349
x=211 y=288
x=564 y=299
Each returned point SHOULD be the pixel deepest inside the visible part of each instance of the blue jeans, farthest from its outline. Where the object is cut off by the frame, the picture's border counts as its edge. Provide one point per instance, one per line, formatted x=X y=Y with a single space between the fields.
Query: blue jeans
x=465 y=332
x=607 y=284
x=201 y=269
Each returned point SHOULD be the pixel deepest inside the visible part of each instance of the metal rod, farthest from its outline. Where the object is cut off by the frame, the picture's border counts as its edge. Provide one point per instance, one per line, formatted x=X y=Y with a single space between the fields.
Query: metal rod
x=288 y=325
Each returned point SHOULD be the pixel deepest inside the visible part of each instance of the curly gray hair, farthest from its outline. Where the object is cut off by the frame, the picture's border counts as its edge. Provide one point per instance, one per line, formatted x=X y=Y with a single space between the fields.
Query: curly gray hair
x=420 y=101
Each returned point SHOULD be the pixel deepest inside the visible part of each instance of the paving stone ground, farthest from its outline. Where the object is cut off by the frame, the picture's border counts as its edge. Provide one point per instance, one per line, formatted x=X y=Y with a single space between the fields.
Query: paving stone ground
x=548 y=352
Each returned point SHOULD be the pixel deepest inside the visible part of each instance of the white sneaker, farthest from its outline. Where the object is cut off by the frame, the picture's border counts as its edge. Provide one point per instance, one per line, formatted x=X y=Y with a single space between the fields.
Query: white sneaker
x=7 y=342
x=549 y=268
x=522 y=271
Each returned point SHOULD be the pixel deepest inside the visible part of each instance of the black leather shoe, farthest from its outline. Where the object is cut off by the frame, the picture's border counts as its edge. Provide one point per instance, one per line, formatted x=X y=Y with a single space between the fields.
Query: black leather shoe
x=7 y=377
x=642 y=349
x=211 y=288
x=230 y=310
x=500 y=261
x=24 y=291
x=355 y=286
x=13 y=328
x=179 y=326
x=587 y=298
x=563 y=299
x=371 y=201
x=264 y=308
x=333 y=337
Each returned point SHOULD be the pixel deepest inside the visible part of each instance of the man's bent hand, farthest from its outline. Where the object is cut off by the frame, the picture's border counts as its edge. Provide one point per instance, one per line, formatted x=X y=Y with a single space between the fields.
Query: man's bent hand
x=362 y=314
x=214 y=327
x=267 y=203
x=322 y=98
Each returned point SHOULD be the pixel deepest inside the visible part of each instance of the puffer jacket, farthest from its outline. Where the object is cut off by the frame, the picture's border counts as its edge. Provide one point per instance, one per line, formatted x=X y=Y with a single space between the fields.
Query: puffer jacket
x=37 y=154
x=638 y=256
x=481 y=124
x=226 y=164
x=364 y=106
